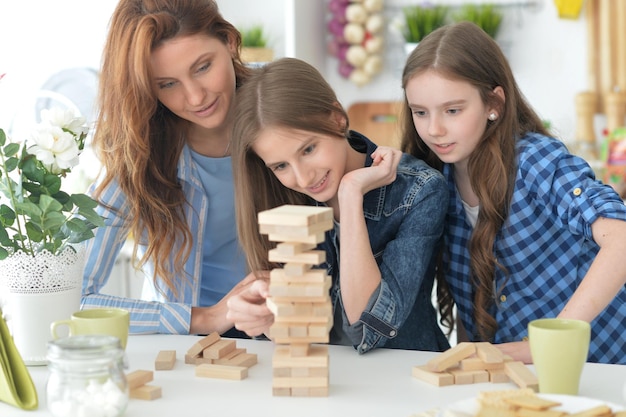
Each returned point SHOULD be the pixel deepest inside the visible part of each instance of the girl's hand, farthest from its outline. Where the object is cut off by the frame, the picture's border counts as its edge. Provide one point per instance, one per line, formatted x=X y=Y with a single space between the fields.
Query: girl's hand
x=247 y=309
x=519 y=351
x=382 y=172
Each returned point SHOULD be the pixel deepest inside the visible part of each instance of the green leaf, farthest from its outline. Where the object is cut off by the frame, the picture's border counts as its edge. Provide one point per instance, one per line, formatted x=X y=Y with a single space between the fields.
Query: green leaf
x=52 y=183
x=83 y=201
x=33 y=232
x=11 y=149
x=30 y=169
x=49 y=204
x=7 y=214
x=3 y=137
x=52 y=221
x=4 y=236
x=3 y=252
x=92 y=216
x=76 y=225
x=81 y=237
x=11 y=163
x=28 y=209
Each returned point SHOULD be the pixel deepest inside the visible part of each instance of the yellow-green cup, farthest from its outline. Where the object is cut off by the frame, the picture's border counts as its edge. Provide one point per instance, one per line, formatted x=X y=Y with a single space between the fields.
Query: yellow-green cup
x=559 y=348
x=108 y=321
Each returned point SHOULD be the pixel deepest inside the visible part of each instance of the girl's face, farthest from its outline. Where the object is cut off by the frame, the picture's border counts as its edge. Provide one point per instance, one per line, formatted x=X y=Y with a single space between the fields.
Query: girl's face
x=307 y=162
x=194 y=78
x=449 y=115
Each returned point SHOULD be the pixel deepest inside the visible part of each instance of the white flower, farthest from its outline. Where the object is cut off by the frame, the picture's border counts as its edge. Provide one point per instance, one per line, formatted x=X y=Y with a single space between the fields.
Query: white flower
x=55 y=148
x=63 y=118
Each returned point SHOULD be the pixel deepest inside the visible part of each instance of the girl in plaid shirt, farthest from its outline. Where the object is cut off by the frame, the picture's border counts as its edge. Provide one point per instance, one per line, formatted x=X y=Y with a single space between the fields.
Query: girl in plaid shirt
x=530 y=232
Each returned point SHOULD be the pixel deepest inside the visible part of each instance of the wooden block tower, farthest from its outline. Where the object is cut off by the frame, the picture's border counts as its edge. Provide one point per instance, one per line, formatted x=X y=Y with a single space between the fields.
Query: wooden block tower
x=299 y=298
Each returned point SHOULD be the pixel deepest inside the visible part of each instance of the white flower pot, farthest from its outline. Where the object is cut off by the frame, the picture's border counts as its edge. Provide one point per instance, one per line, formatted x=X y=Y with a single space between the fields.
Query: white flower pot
x=37 y=291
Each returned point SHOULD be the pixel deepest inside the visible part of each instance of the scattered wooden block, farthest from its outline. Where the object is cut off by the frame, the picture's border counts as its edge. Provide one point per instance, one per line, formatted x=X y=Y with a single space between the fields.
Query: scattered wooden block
x=221 y=371
x=451 y=357
x=521 y=375
x=220 y=348
x=203 y=343
x=138 y=378
x=145 y=392
x=165 y=360
x=489 y=353
x=440 y=379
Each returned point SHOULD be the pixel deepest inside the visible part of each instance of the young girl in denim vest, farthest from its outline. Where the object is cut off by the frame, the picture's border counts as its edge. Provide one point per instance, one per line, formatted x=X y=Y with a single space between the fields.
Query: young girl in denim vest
x=530 y=232
x=292 y=145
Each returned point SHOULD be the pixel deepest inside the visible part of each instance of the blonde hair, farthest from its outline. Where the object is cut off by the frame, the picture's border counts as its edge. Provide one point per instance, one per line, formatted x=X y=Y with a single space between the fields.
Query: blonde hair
x=138 y=140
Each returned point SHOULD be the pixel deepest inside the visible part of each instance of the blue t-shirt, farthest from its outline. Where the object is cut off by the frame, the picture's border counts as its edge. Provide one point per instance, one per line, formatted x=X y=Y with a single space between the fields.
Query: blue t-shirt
x=223 y=261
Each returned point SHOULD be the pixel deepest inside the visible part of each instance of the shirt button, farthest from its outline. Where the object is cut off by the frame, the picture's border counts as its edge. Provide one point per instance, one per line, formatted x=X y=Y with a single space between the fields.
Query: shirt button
x=364 y=347
x=503 y=298
x=392 y=333
x=577 y=191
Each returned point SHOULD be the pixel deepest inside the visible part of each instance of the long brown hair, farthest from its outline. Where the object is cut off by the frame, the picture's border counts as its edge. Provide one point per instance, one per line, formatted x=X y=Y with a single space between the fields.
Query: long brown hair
x=465 y=52
x=138 y=140
x=285 y=93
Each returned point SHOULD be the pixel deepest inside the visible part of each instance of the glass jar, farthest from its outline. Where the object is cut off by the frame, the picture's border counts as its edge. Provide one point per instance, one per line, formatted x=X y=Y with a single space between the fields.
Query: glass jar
x=86 y=377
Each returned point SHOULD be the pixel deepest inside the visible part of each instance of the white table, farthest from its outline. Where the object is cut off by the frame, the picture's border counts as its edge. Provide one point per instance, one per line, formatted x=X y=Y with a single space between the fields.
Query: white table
x=378 y=383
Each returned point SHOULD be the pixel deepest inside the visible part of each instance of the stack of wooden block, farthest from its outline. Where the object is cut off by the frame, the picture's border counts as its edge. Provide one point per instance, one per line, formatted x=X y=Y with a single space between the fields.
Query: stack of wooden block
x=215 y=357
x=471 y=363
x=138 y=387
x=299 y=298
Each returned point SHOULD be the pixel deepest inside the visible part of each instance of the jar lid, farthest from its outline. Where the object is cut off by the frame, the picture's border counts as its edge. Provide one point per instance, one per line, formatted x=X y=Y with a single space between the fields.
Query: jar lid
x=84 y=346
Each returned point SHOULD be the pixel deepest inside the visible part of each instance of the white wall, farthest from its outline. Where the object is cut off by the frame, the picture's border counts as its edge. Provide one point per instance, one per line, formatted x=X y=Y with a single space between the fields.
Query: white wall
x=40 y=37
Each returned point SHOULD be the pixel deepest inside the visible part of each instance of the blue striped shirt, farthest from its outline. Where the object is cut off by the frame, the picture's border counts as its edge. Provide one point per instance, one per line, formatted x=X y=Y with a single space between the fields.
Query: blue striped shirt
x=545 y=244
x=159 y=310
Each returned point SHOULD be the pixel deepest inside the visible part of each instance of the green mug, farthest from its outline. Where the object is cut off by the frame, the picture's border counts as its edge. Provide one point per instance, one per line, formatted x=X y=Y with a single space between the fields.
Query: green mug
x=109 y=321
x=559 y=349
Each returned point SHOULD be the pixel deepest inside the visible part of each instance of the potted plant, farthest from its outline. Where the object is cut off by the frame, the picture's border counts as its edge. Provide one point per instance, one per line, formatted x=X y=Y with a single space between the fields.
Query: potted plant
x=420 y=20
x=254 y=43
x=486 y=16
x=41 y=228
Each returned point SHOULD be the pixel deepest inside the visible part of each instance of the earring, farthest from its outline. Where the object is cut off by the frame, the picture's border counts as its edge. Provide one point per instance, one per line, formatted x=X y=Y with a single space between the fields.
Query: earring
x=493 y=116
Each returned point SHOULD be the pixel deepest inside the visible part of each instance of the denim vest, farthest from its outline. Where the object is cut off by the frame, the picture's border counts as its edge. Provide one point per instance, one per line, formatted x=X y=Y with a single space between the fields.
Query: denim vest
x=405 y=222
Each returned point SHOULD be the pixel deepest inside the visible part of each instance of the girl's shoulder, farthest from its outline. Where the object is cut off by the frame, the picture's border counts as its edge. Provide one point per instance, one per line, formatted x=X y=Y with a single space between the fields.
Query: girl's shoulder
x=412 y=166
x=539 y=150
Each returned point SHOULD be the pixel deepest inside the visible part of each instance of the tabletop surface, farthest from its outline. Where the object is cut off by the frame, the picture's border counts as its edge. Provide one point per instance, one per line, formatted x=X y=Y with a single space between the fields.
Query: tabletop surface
x=378 y=383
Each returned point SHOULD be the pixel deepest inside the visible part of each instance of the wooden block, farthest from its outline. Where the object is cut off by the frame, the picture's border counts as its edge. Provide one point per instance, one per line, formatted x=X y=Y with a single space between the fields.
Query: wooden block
x=294 y=233
x=521 y=375
x=295 y=215
x=294 y=312
x=294 y=248
x=287 y=340
x=294 y=382
x=440 y=379
x=316 y=238
x=309 y=392
x=221 y=371
x=287 y=333
x=281 y=392
x=219 y=349
x=145 y=392
x=299 y=349
x=138 y=378
x=200 y=360
x=300 y=372
x=203 y=343
x=318 y=357
x=296 y=290
x=165 y=360
x=244 y=359
x=498 y=376
x=451 y=357
x=308 y=275
x=480 y=376
x=313 y=257
x=461 y=377
x=230 y=355
x=294 y=269
x=319 y=329
x=191 y=360
x=474 y=364
x=489 y=353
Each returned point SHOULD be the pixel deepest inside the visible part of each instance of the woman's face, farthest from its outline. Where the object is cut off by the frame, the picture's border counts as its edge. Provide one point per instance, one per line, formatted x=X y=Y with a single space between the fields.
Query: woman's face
x=307 y=162
x=449 y=115
x=194 y=78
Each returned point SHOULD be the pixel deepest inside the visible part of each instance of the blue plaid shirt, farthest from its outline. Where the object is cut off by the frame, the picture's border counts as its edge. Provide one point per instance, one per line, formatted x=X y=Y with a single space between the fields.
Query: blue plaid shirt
x=545 y=244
